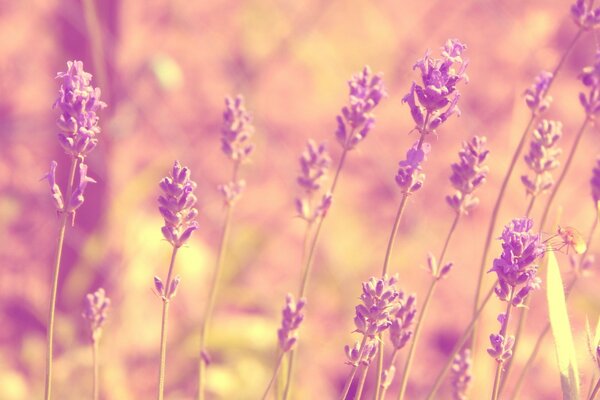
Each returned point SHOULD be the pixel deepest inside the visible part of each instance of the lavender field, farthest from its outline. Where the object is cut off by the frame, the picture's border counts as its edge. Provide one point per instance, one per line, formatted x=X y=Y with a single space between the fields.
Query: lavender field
x=270 y=199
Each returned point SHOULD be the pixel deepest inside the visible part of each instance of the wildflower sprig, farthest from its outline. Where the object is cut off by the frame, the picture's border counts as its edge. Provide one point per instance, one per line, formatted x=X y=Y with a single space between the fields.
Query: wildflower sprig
x=95 y=312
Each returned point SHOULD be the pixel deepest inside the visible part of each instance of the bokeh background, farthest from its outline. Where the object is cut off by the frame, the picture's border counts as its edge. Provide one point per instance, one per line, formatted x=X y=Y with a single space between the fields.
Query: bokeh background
x=164 y=68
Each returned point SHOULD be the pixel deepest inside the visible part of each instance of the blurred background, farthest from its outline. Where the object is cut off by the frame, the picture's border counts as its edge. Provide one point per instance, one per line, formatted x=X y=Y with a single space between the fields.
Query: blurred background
x=164 y=68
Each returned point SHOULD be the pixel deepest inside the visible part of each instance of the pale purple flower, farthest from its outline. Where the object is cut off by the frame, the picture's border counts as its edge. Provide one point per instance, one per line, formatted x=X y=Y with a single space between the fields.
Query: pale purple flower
x=387 y=376
x=95 y=311
x=438 y=272
x=501 y=346
x=232 y=191
x=542 y=157
x=461 y=374
x=468 y=174
x=77 y=197
x=402 y=318
x=78 y=103
x=55 y=192
x=433 y=101
x=358 y=355
x=176 y=205
x=378 y=302
x=590 y=77
x=595 y=182
x=291 y=318
x=410 y=175
x=314 y=166
x=237 y=130
x=166 y=295
x=584 y=15
x=536 y=97
x=357 y=119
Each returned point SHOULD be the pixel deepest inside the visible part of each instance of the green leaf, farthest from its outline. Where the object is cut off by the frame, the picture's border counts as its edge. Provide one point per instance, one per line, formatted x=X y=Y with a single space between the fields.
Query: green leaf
x=561 y=330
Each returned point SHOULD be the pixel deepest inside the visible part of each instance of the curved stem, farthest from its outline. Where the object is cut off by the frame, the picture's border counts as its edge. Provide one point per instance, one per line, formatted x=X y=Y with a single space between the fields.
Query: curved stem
x=52 y=307
x=275 y=371
x=361 y=383
x=163 y=330
x=95 y=390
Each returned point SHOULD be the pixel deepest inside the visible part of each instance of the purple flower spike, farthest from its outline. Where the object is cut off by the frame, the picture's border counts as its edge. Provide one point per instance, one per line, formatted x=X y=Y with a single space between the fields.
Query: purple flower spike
x=536 y=97
x=55 y=192
x=468 y=174
x=290 y=322
x=232 y=191
x=237 y=130
x=361 y=356
x=501 y=347
x=176 y=205
x=436 y=99
x=78 y=103
x=590 y=77
x=95 y=311
x=77 y=198
x=461 y=375
x=357 y=119
x=410 y=176
x=378 y=298
x=542 y=157
x=314 y=165
x=595 y=182
x=584 y=15
x=402 y=319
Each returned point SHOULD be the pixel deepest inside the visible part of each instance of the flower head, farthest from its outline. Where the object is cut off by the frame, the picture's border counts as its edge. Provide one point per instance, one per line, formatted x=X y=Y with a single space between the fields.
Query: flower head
x=461 y=374
x=584 y=15
x=237 y=130
x=78 y=102
x=410 y=175
x=542 y=157
x=95 y=311
x=77 y=197
x=357 y=119
x=402 y=319
x=590 y=77
x=176 y=205
x=378 y=303
x=536 y=97
x=314 y=165
x=358 y=355
x=433 y=101
x=291 y=317
x=501 y=347
x=595 y=182
x=468 y=174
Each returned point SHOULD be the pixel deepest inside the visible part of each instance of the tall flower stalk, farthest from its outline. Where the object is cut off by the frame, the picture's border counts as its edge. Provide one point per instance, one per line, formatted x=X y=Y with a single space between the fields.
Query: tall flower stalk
x=95 y=312
x=176 y=205
x=78 y=103
x=236 y=143
x=467 y=175
x=354 y=123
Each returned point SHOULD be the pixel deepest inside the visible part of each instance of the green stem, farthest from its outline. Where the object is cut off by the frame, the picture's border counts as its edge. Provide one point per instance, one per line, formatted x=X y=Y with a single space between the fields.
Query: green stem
x=416 y=334
x=458 y=346
x=95 y=390
x=361 y=383
x=385 y=388
x=163 y=328
x=52 y=308
x=503 y=330
x=275 y=371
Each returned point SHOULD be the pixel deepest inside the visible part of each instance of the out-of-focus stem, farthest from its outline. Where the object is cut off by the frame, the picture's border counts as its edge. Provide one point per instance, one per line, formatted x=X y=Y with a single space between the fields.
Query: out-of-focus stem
x=214 y=287
x=413 y=346
x=595 y=391
x=95 y=390
x=163 y=329
x=385 y=388
x=503 y=330
x=361 y=383
x=530 y=206
x=95 y=37
x=52 y=307
x=275 y=371
x=354 y=368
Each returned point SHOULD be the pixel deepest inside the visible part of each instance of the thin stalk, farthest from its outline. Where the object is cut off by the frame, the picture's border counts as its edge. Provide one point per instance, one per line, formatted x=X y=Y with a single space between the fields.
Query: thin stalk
x=503 y=330
x=595 y=391
x=95 y=37
x=458 y=346
x=379 y=367
x=275 y=371
x=214 y=288
x=385 y=388
x=496 y=209
x=163 y=329
x=530 y=206
x=592 y=379
x=353 y=371
x=95 y=390
x=416 y=334
x=52 y=307
x=361 y=383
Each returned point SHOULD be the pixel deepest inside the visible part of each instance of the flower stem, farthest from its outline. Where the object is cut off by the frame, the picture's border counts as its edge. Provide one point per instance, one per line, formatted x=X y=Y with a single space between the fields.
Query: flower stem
x=416 y=335
x=392 y=239
x=361 y=383
x=503 y=330
x=95 y=390
x=595 y=391
x=52 y=308
x=354 y=368
x=275 y=371
x=385 y=388
x=163 y=330
x=530 y=206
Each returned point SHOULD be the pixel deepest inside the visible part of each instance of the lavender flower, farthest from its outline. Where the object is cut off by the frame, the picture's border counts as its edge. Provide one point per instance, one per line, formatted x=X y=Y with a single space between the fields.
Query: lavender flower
x=410 y=175
x=166 y=295
x=176 y=205
x=314 y=165
x=542 y=157
x=434 y=268
x=378 y=300
x=358 y=355
x=536 y=97
x=402 y=319
x=461 y=375
x=77 y=197
x=79 y=103
x=468 y=174
x=501 y=345
x=436 y=100
x=590 y=77
x=357 y=119
x=514 y=268
x=95 y=312
x=237 y=130
x=595 y=182
x=584 y=15
x=291 y=317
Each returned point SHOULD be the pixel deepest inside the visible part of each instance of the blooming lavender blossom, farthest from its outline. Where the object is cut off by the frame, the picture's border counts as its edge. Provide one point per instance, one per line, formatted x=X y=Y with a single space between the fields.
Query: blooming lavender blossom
x=436 y=100
x=77 y=197
x=410 y=175
x=78 y=103
x=169 y=294
x=501 y=344
x=542 y=157
x=468 y=174
x=595 y=182
x=358 y=355
x=590 y=77
x=176 y=205
x=314 y=165
x=402 y=319
x=291 y=318
x=95 y=312
x=536 y=97
x=584 y=15
x=378 y=300
x=461 y=375
x=237 y=130
x=357 y=119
